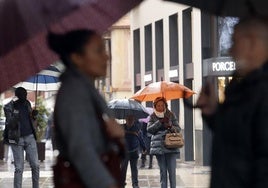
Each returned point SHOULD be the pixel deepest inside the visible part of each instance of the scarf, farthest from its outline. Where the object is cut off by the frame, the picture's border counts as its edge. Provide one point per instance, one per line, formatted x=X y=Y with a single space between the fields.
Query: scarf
x=160 y=114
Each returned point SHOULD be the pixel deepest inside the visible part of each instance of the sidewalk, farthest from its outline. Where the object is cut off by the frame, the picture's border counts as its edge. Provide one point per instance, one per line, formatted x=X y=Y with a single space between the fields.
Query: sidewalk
x=188 y=175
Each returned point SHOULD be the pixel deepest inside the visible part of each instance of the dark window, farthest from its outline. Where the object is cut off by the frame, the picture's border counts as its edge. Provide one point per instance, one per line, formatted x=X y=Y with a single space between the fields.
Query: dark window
x=187 y=36
x=173 y=40
x=137 y=57
x=148 y=48
x=159 y=45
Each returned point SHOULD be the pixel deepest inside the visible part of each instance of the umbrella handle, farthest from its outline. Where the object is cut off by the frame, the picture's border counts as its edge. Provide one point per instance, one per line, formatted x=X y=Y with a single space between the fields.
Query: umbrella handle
x=187 y=103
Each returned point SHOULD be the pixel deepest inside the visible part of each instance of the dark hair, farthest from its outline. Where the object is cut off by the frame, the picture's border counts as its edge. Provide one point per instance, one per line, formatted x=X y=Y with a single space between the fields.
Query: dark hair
x=20 y=91
x=70 y=42
x=160 y=99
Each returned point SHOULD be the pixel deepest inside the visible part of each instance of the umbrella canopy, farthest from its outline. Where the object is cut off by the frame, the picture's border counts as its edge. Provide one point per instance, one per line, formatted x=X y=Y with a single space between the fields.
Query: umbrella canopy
x=24 y=26
x=146 y=120
x=121 y=108
x=168 y=90
x=46 y=80
x=41 y=83
x=237 y=8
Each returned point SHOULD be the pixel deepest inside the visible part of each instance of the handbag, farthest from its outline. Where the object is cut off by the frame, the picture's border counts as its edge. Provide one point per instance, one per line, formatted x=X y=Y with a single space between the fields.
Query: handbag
x=66 y=176
x=174 y=140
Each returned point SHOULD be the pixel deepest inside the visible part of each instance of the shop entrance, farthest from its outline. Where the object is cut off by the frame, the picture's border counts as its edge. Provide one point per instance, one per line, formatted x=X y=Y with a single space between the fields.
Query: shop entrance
x=220 y=84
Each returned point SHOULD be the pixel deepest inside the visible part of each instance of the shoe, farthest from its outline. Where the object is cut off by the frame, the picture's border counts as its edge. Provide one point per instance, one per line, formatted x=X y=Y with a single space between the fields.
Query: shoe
x=150 y=167
x=142 y=166
x=135 y=186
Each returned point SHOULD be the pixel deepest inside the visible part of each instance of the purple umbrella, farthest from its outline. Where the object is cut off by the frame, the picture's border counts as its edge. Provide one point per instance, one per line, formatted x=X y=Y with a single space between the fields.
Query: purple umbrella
x=24 y=25
x=146 y=120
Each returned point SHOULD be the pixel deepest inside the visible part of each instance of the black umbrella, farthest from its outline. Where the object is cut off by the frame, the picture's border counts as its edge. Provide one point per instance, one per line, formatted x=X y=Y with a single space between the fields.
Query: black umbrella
x=121 y=108
x=235 y=8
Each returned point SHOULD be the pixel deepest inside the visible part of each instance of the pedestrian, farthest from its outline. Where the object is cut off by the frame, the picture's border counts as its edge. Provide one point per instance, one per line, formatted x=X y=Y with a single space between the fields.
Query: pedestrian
x=20 y=134
x=134 y=141
x=147 y=140
x=161 y=122
x=83 y=126
x=239 y=124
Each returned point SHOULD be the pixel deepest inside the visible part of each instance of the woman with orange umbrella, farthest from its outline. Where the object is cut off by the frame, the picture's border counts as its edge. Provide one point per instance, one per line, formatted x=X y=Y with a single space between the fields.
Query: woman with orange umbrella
x=161 y=122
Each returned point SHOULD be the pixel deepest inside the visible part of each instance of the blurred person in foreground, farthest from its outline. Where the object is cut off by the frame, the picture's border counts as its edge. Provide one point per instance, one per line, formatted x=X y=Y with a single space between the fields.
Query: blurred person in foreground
x=240 y=124
x=134 y=142
x=20 y=134
x=161 y=122
x=82 y=124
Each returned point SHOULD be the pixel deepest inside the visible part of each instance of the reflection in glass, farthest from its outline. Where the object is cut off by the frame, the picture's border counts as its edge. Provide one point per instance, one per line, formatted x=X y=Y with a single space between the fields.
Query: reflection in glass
x=225 y=31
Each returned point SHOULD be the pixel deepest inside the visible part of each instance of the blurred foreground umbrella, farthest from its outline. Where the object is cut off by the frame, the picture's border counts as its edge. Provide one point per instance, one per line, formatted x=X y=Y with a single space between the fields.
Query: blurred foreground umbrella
x=121 y=108
x=24 y=25
x=169 y=90
x=235 y=8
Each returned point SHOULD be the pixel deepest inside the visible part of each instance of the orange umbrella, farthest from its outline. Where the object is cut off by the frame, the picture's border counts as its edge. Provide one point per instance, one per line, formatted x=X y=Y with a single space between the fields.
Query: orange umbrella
x=168 y=90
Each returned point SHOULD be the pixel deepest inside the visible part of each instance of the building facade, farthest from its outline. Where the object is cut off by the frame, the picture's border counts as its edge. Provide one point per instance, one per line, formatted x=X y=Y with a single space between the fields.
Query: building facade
x=174 y=42
x=118 y=82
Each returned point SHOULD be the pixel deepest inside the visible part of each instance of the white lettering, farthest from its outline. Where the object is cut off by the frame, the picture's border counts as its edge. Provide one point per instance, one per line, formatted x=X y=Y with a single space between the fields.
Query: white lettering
x=223 y=66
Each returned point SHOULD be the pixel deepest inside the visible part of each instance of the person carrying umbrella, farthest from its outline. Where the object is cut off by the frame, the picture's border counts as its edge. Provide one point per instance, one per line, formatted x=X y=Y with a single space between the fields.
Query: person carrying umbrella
x=134 y=141
x=20 y=134
x=161 y=122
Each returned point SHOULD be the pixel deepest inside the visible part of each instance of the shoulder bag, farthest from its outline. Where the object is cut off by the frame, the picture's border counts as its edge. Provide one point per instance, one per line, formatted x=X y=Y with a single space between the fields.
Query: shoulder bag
x=174 y=140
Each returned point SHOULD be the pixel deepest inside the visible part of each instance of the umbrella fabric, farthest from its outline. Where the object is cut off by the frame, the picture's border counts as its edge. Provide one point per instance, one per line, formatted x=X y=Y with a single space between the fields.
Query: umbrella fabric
x=169 y=90
x=24 y=25
x=146 y=120
x=46 y=80
x=121 y=108
x=41 y=83
x=51 y=71
x=237 y=8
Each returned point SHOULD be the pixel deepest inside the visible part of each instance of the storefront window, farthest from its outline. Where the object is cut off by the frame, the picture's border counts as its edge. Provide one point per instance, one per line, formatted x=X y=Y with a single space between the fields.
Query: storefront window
x=225 y=31
x=222 y=83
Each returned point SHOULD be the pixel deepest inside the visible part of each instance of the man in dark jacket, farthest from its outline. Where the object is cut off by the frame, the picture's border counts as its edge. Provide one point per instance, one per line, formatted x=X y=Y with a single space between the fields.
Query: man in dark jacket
x=240 y=124
x=20 y=133
x=134 y=141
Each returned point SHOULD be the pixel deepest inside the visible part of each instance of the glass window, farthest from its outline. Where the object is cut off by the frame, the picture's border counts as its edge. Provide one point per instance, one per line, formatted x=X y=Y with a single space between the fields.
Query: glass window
x=225 y=31
x=222 y=83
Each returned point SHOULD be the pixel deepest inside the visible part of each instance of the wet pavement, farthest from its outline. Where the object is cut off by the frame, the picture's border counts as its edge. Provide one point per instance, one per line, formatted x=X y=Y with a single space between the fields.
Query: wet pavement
x=188 y=175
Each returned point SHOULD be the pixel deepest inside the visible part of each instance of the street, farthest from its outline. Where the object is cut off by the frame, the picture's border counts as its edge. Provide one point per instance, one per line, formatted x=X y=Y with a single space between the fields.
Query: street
x=188 y=175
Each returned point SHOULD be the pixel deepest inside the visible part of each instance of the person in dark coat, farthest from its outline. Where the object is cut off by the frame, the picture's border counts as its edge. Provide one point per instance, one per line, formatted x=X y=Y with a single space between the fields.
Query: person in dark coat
x=240 y=123
x=134 y=141
x=80 y=111
x=161 y=122
x=147 y=140
x=20 y=134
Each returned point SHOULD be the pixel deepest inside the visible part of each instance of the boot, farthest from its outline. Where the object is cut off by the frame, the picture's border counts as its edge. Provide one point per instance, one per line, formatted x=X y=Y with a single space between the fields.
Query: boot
x=151 y=162
x=143 y=159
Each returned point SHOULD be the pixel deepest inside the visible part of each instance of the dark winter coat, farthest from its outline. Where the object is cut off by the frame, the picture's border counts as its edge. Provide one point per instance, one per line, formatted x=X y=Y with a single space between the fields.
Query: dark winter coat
x=133 y=137
x=240 y=141
x=158 y=131
x=13 y=125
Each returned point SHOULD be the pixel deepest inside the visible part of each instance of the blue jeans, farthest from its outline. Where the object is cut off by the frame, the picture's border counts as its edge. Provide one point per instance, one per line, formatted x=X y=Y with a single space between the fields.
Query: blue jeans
x=28 y=144
x=167 y=165
x=131 y=157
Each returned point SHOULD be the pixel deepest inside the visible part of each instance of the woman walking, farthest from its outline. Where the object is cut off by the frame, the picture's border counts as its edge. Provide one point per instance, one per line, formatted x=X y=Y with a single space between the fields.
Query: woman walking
x=81 y=113
x=162 y=121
